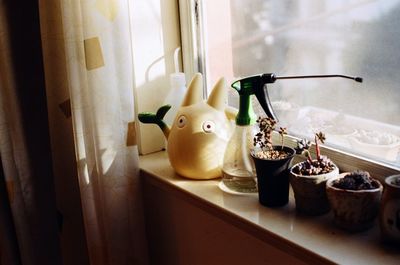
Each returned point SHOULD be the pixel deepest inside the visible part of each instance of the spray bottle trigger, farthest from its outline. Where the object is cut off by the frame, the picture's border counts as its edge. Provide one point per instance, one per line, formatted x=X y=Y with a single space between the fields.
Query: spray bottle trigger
x=262 y=96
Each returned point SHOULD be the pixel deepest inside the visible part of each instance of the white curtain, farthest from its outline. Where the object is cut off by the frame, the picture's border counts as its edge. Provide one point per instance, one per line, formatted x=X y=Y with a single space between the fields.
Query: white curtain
x=98 y=61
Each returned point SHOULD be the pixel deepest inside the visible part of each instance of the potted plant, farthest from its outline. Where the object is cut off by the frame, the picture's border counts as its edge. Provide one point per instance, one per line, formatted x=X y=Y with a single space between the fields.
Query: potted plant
x=272 y=164
x=308 y=178
x=354 y=198
x=389 y=217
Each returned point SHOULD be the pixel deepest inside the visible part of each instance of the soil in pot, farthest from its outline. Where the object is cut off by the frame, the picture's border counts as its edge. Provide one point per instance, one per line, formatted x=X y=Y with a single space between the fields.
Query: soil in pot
x=318 y=166
x=358 y=180
x=271 y=154
x=273 y=176
x=355 y=199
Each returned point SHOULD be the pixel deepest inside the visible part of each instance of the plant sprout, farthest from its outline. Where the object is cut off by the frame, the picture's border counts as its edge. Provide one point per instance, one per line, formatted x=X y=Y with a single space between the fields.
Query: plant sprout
x=303 y=145
x=282 y=133
x=321 y=137
x=321 y=165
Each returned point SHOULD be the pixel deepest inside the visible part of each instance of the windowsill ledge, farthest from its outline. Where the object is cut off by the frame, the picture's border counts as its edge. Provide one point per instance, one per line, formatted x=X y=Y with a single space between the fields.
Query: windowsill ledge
x=311 y=239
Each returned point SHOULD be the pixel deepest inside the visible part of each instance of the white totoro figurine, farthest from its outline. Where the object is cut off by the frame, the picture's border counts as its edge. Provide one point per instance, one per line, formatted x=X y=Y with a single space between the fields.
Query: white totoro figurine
x=200 y=131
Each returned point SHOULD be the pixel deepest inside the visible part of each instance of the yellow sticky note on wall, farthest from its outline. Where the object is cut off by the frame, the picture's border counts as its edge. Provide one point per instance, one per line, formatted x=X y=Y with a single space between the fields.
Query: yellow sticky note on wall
x=131 y=136
x=93 y=53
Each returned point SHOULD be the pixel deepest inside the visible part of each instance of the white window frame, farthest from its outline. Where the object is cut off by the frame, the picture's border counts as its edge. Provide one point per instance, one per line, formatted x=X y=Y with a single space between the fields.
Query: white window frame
x=193 y=46
x=194 y=52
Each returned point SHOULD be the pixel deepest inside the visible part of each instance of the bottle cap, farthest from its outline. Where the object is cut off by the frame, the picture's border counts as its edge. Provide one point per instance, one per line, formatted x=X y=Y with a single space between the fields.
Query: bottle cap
x=177 y=80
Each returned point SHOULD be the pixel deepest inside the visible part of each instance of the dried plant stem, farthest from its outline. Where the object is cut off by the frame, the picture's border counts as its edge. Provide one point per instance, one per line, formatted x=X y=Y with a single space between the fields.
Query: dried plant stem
x=320 y=136
x=308 y=156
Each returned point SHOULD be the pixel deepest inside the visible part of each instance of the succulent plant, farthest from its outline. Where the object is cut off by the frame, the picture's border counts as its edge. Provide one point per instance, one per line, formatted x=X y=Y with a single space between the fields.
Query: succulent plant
x=282 y=133
x=263 y=139
x=320 y=165
x=302 y=147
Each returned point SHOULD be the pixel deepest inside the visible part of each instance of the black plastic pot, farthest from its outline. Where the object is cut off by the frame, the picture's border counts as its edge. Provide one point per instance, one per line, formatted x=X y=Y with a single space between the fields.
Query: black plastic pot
x=273 y=178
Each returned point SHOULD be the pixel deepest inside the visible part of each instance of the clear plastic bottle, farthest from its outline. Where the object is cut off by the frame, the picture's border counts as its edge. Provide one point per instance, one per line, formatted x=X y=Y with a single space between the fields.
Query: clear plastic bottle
x=238 y=171
x=177 y=90
x=175 y=96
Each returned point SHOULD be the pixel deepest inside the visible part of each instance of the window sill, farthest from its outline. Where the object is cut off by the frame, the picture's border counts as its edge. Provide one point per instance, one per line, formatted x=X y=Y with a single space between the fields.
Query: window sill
x=311 y=239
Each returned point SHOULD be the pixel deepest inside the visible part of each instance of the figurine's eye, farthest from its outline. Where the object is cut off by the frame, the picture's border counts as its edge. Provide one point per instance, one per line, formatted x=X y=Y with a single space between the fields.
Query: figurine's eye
x=181 y=121
x=208 y=126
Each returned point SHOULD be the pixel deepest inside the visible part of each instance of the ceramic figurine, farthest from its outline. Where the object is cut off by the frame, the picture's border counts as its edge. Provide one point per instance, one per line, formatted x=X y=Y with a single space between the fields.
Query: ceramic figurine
x=198 y=137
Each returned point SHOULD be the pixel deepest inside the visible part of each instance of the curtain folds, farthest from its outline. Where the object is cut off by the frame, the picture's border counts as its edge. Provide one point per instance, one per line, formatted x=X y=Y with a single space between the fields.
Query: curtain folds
x=98 y=60
x=28 y=211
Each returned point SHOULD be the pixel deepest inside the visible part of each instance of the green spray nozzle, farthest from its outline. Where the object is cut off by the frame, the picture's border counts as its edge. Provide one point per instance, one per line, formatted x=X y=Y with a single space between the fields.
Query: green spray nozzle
x=256 y=85
x=253 y=85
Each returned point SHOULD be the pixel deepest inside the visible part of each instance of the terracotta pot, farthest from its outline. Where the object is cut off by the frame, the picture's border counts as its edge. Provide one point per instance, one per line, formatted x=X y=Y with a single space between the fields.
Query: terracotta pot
x=273 y=179
x=354 y=210
x=309 y=191
x=390 y=210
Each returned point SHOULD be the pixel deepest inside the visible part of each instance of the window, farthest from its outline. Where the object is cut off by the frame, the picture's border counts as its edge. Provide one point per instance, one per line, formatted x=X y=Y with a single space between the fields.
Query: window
x=354 y=37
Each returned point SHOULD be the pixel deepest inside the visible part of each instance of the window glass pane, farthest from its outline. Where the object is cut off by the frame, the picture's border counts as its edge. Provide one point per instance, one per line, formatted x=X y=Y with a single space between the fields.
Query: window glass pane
x=288 y=37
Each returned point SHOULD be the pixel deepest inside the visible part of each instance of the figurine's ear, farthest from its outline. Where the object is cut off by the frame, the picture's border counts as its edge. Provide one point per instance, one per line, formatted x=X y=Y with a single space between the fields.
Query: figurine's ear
x=194 y=92
x=218 y=96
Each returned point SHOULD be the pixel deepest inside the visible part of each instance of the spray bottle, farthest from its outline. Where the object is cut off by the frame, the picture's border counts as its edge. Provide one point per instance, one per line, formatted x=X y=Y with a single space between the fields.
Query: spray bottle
x=238 y=172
